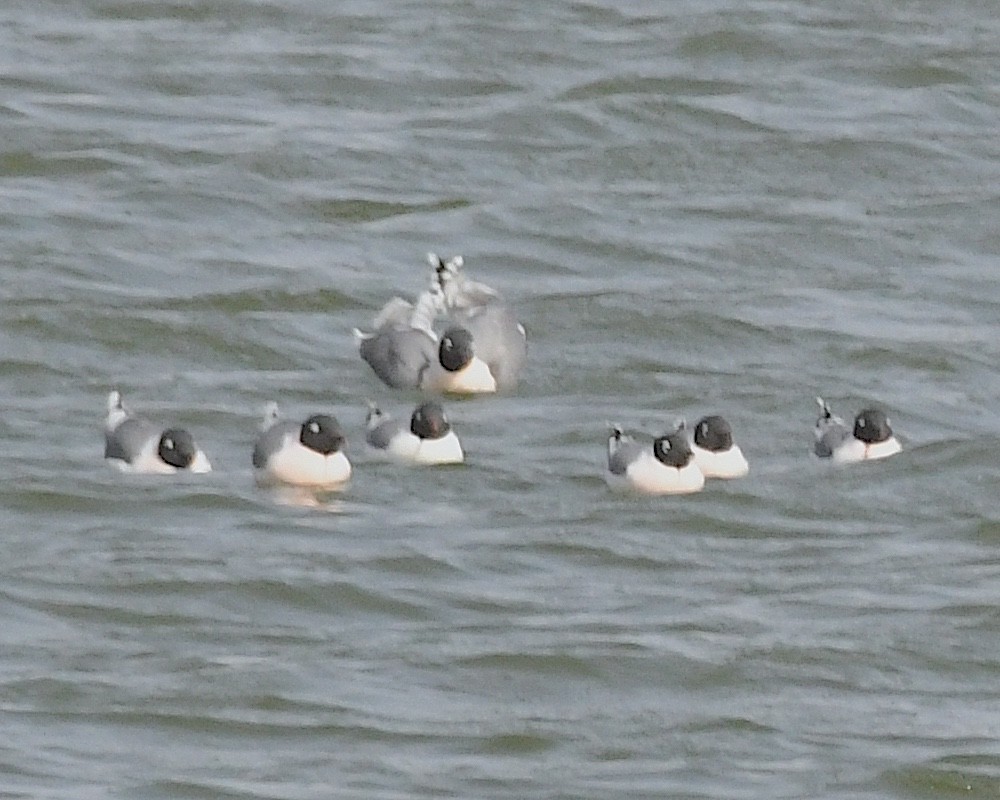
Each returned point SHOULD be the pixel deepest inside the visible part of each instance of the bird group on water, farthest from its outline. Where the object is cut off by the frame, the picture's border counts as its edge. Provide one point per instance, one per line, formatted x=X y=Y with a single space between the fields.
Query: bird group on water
x=481 y=349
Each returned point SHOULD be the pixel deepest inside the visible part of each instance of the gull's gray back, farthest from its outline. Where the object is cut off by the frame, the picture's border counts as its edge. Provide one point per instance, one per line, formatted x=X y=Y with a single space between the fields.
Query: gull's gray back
x=399 y=355
x=270 y=441
x=380 y=436
x=829 y=436
x=127 y=440
x=626 y=452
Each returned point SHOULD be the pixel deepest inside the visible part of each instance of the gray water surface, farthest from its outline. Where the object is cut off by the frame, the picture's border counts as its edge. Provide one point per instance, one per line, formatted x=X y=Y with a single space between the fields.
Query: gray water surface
x=696 y=207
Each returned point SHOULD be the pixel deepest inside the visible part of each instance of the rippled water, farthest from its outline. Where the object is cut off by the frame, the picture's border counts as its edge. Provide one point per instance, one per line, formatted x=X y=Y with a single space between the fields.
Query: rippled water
x=696 y=207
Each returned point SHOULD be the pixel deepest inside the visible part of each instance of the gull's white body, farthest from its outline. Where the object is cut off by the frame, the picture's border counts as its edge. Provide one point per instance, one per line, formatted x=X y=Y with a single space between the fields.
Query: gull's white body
x=286 y=461
x=730 y=463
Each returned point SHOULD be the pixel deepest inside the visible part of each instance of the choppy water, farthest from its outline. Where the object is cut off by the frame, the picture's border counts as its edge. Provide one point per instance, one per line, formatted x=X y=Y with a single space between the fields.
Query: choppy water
x=695 y=206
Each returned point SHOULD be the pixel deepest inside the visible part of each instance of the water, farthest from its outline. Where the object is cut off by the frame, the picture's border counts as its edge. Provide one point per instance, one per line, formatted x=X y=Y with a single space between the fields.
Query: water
x=696 y=207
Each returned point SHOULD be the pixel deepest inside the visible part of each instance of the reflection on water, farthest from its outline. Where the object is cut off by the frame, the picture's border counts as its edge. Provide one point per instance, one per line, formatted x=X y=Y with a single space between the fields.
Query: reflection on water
x=306 y=497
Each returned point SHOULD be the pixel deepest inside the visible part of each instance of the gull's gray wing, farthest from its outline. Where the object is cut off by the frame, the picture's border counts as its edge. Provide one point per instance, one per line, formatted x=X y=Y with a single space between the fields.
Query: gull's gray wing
x=829 y=437
x=626 y=452
x=499 y=339
x=396 y=312
x=129 y=438
x=399 y=355
x=380 y=436
x=830 y=430
x=270 y=441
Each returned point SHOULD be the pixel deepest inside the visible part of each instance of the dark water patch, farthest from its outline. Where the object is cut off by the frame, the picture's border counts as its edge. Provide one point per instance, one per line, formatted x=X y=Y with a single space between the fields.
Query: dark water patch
x=280 y=704
x=738 y=521
x=609 y=250
x=974 y=776
x=30 y=372
x=514 y=744
x=650 y=667
x=173 y=153
x=15 y=106
x=931 y=458
x=710 y=118
x=918 y=76
x=259 y=301
x=25 y=164
x=828 y=667
x=224 y=12
x=289 y=170
x=481 y=603
x=670 y=86
x=568 y=667
x=722 y=44
x=440 y=89
x=195 y=342
x=237 y=724
x=43 y=499
x=598 y=556
x=361 y=210
x=975 y=616
x=337 y=597
x=191 y=790
x=721 y=725
x=987 y=531
x=115 y=615
x=417 y=564
x=218 y=499
x=367 y=92
x=923 y=357
x=44 y=692
x=711 y=328
x=616 y=754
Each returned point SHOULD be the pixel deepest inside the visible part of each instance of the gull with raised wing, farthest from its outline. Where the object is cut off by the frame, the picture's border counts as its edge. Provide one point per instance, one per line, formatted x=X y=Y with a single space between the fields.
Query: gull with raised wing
x=500 y=340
